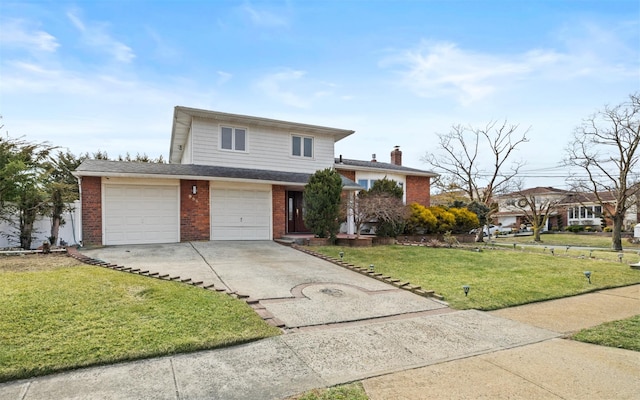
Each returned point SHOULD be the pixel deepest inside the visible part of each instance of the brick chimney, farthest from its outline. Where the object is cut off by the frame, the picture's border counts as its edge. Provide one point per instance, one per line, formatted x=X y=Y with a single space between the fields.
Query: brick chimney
x=373 y=158
x=396 y=156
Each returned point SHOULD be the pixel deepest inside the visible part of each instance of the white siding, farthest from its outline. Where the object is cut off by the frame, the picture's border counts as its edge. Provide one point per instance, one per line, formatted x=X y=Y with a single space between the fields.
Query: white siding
x=187 y=155
x=267 y=148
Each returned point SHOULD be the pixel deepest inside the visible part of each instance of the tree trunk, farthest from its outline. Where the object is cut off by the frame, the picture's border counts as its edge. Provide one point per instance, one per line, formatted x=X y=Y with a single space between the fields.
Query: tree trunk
x=480 y=235
x=55 y=229
x=616 y=234
x=26 y=228
x=536 y=234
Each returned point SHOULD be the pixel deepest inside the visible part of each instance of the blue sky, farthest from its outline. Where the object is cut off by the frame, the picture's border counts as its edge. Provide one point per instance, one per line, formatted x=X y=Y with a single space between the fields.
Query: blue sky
x=105 y=75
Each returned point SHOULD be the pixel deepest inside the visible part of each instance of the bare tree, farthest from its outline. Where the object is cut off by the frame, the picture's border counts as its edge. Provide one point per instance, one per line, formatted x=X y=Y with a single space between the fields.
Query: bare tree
x=479 y=161
x=605 y=148
x=537 y=205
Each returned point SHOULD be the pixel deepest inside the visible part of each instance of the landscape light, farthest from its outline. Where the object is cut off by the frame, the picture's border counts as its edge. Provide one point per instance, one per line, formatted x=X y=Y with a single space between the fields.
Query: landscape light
x=371 y=267
x=552 y=250
x=587 y=274
x=466 y=290
x=620 y=255
x=341 y=255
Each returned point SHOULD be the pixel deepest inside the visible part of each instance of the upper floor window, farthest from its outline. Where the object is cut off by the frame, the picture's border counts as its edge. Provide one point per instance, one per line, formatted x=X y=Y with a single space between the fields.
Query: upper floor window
x=302 y=146
x=233 y=138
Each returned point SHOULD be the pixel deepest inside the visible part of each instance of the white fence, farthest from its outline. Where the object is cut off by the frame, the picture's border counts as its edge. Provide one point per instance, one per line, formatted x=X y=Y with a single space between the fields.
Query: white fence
x=69 y=232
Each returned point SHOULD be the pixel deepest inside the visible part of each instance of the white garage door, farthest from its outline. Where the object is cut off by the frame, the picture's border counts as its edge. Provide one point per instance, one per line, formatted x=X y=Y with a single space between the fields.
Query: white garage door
x=240 y=214
x=141 y=214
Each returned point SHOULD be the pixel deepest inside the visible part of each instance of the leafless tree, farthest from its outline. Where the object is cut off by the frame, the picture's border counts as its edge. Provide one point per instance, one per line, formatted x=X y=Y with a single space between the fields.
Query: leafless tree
x=479 y=161
x=605 y=149
x=536 y=207
x=372 y=207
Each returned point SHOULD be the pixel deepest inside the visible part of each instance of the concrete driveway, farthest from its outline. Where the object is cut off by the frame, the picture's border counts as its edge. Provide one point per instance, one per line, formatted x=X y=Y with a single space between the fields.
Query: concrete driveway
x=296 y=288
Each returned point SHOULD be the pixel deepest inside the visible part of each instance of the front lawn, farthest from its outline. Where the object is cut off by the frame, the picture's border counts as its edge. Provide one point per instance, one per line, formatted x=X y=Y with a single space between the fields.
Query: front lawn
x=497 y=278
x=352 y=391
x=623 y=334
x=567 y=239
x=57 y=315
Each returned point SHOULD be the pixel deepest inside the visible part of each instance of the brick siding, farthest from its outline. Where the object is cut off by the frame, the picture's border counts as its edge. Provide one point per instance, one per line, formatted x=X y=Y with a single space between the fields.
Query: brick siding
x=347 y=174
x=419 y=190
x=91 y=210
x=279 y=198
x=195 y=211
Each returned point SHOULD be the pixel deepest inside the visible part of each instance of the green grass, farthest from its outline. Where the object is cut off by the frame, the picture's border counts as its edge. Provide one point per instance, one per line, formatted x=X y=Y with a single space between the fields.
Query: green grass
x=53 y=319
x=352 y=391
x=498 y=278
x=564 y=239
x=624 y=334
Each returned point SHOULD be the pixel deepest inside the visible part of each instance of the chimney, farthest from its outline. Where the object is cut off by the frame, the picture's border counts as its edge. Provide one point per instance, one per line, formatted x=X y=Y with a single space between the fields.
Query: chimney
x=340 y=158
x=396 y=156
x=373 y=158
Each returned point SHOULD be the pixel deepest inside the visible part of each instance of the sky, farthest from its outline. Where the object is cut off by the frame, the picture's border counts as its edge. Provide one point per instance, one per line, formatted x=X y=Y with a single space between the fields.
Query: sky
x=106 y=75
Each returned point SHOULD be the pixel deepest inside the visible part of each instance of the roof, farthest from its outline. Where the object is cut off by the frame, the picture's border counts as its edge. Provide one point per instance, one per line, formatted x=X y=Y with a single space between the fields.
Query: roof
x=191 y=171
x=182 y=117
x=538 y=191
x=377 y=166
x=588 y=197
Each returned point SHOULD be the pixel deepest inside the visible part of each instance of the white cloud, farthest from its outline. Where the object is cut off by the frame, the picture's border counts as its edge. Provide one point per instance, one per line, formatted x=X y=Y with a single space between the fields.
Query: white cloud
x=15 y=33
x=280 y=87
x=582 y=51
x=223 y=77
x=97 y=38
x=263 y=17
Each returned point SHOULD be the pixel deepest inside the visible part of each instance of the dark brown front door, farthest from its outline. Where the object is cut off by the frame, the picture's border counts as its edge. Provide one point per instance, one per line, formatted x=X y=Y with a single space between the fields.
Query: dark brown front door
x=295 y=212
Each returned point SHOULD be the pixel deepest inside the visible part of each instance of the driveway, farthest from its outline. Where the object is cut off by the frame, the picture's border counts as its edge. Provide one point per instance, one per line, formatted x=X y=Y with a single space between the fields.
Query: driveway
x=296 y=288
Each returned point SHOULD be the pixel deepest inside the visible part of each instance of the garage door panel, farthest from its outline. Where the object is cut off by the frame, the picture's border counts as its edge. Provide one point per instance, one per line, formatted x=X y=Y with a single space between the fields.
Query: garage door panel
x=141 y=214
x=240 y=214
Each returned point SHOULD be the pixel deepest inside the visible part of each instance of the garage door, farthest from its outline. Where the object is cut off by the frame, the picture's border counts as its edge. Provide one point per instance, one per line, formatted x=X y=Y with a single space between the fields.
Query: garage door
x=240 y=214
x=141 y=214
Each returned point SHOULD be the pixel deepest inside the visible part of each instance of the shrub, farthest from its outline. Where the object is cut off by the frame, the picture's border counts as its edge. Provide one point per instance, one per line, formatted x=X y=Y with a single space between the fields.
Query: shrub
x=322 y=200
x=574 y=228
x=446 y=220
x=465 y=219
x=607 y=229
x=421 y=219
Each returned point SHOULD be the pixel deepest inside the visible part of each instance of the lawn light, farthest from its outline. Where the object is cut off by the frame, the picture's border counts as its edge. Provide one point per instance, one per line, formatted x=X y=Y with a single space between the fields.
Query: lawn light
x=590 y=253
x=545 y=249
x=620 y=255
x=552 y=250
x=372 y=267
x=567 y=250
x=466 y=290
x=514 y=246
x=587 y=274
x=341 y=255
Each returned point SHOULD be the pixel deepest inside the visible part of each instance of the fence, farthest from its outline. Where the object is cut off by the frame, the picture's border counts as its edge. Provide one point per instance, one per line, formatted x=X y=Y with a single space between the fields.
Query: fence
x=69 y=232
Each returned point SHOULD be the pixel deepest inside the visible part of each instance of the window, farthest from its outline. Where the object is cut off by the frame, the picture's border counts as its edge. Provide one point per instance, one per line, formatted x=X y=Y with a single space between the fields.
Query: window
x=233 y=138
x=364 y=183
x=302 y=146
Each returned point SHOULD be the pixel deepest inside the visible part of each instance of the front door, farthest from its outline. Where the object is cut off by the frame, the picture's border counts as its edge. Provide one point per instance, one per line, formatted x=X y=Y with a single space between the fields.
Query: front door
x=295 y=213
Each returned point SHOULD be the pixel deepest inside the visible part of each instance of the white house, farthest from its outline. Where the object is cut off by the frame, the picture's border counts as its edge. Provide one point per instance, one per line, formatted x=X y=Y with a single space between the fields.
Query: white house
x=229 y=177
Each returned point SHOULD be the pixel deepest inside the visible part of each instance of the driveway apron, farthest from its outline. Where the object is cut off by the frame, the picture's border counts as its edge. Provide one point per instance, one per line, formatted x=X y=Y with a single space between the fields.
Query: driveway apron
x=296 y=288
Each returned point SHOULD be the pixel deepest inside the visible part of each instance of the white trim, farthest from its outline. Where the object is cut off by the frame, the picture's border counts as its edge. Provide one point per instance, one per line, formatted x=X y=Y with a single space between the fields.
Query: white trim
x=302 y=137
x=233 y=138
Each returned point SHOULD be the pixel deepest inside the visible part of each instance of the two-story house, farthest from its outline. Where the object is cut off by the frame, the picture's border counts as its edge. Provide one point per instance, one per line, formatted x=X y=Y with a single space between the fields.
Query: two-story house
x=229 y=177
x=513 y=208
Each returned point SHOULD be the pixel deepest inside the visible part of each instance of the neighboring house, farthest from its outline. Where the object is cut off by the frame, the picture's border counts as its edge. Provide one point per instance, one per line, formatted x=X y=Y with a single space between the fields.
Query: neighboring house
x=416 y=183
x=229 y=177
x=573 y=208
x=512 y=207
x=583 y=209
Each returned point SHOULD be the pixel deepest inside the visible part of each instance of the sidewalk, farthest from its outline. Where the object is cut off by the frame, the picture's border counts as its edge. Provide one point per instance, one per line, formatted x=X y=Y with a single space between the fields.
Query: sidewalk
x=552 y=369
x=462 y=354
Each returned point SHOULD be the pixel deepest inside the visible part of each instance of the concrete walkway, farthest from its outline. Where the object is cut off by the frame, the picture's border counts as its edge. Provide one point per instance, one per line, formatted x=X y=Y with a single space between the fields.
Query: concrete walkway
x=436 y=353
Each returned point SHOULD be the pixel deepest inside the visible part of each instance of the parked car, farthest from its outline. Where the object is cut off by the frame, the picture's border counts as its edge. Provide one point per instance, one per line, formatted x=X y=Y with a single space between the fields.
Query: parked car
x=491 y=230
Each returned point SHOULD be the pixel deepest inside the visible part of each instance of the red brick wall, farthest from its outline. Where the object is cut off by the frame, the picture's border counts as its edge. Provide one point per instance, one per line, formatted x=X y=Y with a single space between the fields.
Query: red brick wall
x=278 y=201
x=195 y=214
x=347 y=174
x=419 y=190
x=91 y=210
